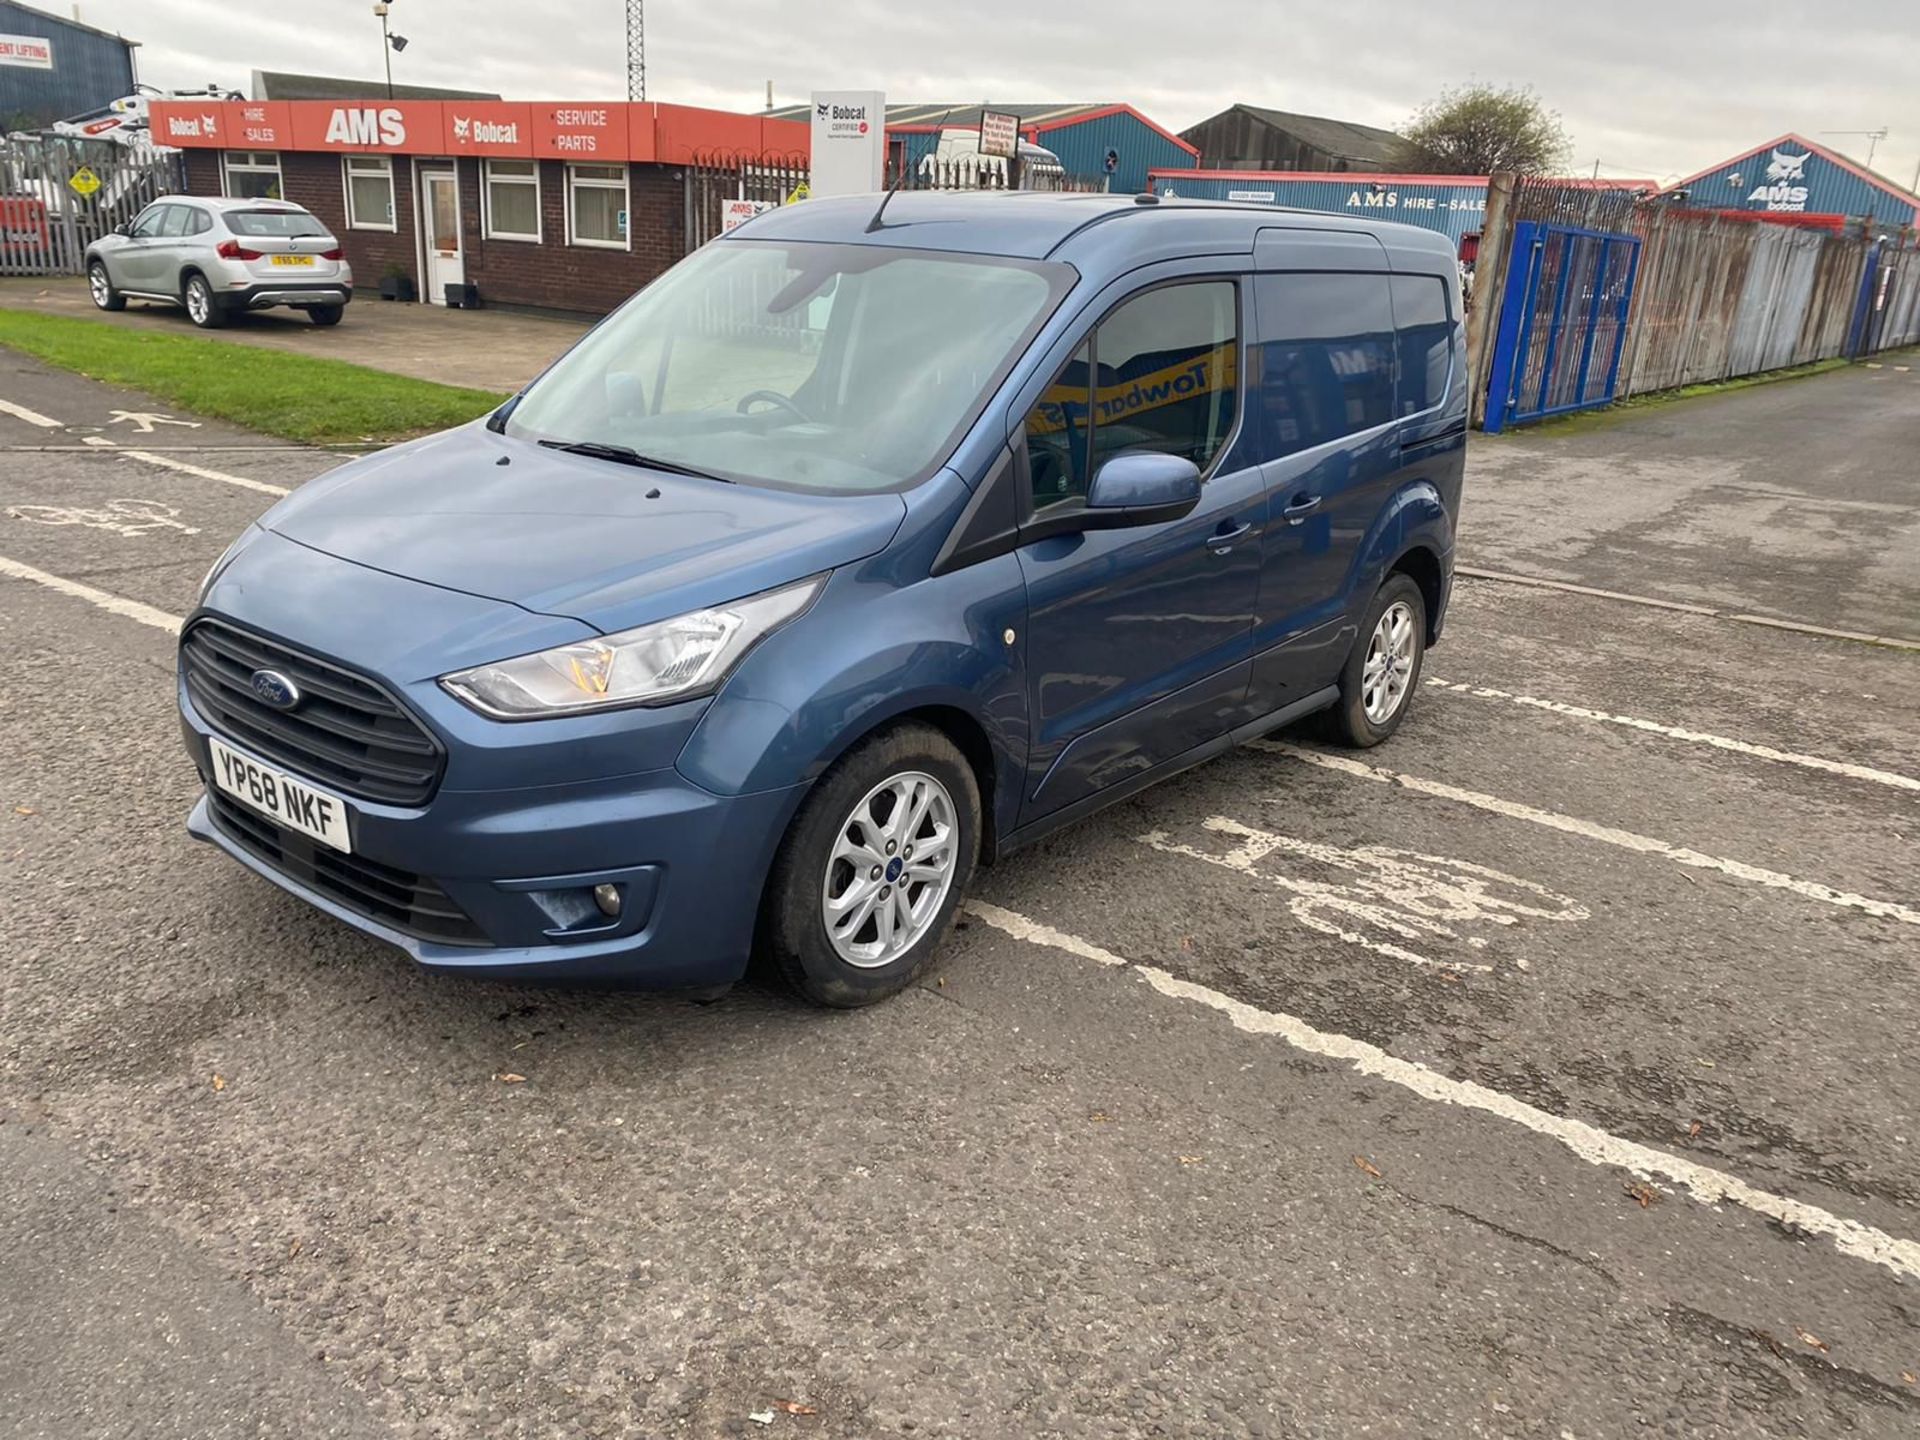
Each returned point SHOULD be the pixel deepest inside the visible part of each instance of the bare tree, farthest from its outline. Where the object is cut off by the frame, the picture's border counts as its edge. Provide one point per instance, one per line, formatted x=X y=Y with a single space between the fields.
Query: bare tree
x=1479 y=129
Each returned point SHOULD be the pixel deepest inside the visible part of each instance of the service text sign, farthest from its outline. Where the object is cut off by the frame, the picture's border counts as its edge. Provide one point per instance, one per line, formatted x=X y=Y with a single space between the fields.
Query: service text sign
x=849 y=142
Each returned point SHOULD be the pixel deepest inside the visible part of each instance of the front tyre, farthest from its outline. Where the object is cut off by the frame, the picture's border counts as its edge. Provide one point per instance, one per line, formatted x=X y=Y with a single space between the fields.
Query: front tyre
x=1377 y=685
x=100 y=287
x=873 y=868
x=202 y=308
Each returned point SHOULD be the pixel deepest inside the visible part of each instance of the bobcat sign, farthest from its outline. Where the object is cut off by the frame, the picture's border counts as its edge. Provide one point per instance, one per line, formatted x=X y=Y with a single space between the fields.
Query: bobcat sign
x=849 y=142
x=1785 y=186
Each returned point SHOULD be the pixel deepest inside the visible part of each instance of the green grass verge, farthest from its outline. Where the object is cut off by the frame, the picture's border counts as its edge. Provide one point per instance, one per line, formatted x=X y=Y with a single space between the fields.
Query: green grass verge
x=315 y=401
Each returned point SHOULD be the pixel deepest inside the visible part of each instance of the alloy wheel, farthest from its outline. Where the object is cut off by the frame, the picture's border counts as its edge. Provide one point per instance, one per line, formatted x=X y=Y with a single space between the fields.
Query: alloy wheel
x=1388 y=671
x=100 y=287
x=892 y=865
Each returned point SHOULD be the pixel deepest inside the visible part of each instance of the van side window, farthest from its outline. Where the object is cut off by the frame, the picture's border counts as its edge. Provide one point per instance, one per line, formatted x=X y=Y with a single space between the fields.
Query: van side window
x=1425 y=338
x=1057 y=429
x=1324 y=361
x=1158 y=374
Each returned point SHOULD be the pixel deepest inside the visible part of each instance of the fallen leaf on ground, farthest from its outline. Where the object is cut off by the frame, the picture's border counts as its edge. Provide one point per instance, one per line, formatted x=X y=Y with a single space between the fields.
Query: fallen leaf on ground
x=794 y=1407
x=941 y=981
x=1367 y=1166
x=219 y=1082
x=1910 y=1377
x=1100 y=1117
x=1447 y=977
x=507 y=1077
x=293 y=1249
x=1707 y=1063
x=1645 y=1194
x=1693 y=1131
x=1186 y=942
x=25 y=810
x=760 y=1417
x=1806 y=1338
x=1191 y=1159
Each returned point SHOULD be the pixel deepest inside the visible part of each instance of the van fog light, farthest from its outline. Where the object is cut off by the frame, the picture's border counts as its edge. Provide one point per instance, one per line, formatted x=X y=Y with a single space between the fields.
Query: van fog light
x=607 y=897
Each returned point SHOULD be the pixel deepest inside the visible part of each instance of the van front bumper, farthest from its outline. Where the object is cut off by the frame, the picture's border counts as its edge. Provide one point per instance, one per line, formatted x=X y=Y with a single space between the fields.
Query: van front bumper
x=504 y=879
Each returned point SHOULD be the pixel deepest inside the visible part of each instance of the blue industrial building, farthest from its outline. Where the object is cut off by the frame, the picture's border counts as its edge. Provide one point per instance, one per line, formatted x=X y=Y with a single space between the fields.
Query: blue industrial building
x=80 y=68
x=1794 y=176
x=1454 y=205
x=1091 y=140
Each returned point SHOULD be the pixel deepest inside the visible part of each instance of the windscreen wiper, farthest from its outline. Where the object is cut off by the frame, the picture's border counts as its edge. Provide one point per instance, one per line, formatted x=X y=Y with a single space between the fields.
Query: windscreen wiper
x=627 y=455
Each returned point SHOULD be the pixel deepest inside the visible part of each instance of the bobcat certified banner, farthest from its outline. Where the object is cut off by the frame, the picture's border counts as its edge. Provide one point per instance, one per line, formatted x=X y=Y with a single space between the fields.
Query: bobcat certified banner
x=849 y=142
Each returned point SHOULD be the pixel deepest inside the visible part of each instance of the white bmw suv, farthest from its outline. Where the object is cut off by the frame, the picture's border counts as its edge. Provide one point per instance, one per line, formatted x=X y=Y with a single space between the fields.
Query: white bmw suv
x=216 y=256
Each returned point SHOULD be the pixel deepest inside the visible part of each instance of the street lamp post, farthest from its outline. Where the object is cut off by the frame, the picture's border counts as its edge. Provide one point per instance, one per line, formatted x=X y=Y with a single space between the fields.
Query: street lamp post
x=390 y=45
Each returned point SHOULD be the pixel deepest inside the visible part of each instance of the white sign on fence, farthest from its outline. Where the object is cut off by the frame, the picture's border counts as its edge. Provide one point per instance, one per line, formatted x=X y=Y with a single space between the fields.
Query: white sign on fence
x=849 y=142
x=735 y=213
x=32 y=52
x=999 y=133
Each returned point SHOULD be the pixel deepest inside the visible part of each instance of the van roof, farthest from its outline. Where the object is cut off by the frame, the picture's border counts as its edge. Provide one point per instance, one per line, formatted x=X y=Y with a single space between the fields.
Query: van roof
x=1078 y=228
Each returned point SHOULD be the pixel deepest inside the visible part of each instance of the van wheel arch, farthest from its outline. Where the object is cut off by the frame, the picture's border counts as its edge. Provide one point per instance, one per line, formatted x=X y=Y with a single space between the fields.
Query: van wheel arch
x=968 y=735
x=1422 y=566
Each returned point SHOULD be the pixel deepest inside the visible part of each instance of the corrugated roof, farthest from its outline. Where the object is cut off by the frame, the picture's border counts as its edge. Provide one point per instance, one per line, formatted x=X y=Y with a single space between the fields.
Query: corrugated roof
x=282 y=85
x=1342 y=139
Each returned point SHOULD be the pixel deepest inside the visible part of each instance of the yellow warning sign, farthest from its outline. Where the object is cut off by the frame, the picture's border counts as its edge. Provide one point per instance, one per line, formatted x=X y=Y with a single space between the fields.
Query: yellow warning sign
x=83 y=181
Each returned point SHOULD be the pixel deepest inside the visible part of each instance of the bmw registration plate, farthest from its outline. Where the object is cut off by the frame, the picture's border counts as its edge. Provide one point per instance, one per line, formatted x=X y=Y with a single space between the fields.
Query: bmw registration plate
x=294 y=260
x=285 y=799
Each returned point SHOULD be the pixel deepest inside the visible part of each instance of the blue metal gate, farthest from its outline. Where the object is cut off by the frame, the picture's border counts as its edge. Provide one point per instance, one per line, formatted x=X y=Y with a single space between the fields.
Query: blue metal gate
x=1563 y=322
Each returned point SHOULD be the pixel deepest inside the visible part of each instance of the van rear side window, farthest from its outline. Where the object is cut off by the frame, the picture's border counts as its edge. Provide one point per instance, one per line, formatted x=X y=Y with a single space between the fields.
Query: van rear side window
x=1324 y=360
x=1426 y=341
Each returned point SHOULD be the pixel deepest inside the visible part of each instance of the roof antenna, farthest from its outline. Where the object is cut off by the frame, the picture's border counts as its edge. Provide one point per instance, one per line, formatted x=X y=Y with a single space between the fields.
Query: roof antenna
x=900 y=178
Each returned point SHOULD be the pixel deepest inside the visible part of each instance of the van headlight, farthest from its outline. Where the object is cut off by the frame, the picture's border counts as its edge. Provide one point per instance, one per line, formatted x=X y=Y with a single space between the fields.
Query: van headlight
x=653 y=664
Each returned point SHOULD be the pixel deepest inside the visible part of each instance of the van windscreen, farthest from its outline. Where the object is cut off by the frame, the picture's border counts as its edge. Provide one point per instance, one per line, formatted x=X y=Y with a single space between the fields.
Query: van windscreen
x=810 y=366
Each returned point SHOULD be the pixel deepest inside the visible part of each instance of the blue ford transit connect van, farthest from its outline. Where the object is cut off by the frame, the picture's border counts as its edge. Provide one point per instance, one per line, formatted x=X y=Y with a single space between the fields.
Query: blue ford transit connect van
x=861 y=548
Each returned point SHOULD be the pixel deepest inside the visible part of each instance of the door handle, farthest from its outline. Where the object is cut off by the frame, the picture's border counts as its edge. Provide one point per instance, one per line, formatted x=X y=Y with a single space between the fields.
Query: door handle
x=1302 y=506
x=1222 y=539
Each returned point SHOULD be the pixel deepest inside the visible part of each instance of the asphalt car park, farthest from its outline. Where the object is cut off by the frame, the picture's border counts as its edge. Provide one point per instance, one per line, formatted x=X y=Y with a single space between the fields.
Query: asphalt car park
x=1546 y=1071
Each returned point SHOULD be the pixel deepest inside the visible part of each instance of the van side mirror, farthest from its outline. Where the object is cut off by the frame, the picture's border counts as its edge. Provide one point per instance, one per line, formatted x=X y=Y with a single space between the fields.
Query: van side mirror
x=1143 y=488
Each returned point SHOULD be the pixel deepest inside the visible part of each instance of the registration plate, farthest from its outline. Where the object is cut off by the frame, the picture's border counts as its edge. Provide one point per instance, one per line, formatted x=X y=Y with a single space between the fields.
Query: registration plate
x=285 y=799
x=293 y=260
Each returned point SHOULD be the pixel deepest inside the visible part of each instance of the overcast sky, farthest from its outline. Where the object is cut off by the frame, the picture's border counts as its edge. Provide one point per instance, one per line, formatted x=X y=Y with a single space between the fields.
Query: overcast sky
x=1654 y=88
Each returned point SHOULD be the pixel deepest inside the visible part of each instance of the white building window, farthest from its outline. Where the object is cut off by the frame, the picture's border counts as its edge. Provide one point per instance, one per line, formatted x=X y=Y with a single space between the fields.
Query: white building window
x=597 y=205
x=369 y=192
x=253 y=174
x=512 y=192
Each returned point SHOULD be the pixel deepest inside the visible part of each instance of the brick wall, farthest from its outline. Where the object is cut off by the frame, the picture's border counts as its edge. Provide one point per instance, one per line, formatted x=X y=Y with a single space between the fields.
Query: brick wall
x=550 y=275
x=558 y=276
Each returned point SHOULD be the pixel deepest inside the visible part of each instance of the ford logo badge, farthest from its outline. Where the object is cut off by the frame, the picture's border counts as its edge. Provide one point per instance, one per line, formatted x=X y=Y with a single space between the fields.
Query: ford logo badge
x=273 y=688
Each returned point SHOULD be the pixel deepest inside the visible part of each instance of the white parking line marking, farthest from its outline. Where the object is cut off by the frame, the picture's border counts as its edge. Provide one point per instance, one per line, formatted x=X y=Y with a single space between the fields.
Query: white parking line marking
x=113 y=604
x=1692 y=737
x=184 y=468
x=1588 y=830
x=1406 y=894
x=1587 y=1142
x=32 y=417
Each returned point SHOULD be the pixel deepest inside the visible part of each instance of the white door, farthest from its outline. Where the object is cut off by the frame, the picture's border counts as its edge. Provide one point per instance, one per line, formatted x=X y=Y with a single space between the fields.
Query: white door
x=440 y=216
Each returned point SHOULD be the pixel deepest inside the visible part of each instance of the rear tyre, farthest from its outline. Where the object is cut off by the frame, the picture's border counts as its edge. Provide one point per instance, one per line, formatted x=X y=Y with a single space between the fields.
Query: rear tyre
x=873 y=868
x=202 y=306
x=101 y=288
x=326 y=314
x=1382 y=673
